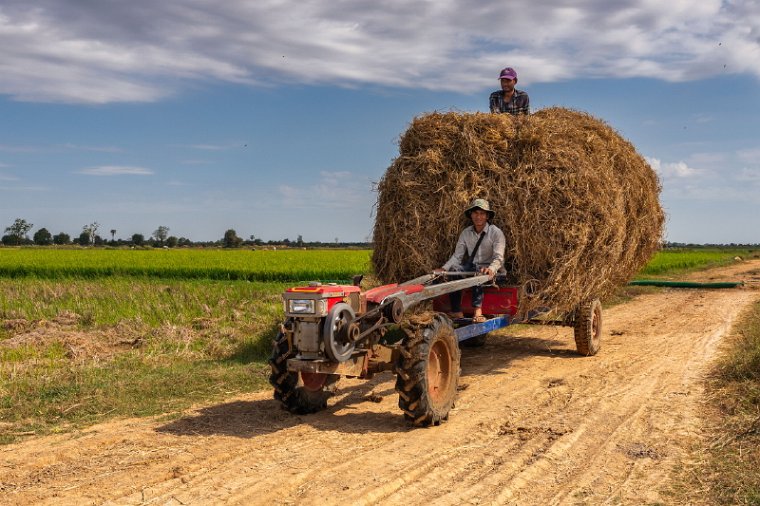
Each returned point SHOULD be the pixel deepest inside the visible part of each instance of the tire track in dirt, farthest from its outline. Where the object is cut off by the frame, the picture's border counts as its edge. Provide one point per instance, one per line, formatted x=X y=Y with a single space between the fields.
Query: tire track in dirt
x=533 y=424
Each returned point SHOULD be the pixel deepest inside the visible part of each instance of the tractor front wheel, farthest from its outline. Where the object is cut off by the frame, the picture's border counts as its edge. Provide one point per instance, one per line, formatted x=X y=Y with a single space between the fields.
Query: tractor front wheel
x=588 y=327
x=299 y=393
x=428 y=372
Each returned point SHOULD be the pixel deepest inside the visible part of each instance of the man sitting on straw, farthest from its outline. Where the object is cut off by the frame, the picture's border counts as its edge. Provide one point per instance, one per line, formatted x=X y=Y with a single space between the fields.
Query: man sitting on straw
x=508 y=99
x=480 y=248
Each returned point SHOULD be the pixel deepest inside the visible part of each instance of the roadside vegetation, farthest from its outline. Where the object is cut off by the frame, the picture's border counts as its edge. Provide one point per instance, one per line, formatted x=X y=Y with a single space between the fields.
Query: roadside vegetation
x=87 y=335
x=726 y=472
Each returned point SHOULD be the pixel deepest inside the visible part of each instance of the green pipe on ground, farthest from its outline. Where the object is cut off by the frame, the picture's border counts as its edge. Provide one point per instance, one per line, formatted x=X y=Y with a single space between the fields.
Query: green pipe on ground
x=684 y=284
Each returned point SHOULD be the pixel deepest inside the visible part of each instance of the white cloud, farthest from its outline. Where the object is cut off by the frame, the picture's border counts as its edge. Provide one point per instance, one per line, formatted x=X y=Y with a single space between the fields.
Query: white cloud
x=709 y=159
x=17 y=189
x=18 y=149
x=116 y=170
x=209 y=147
x=722 y=193
x=73 y=51
x=749 y=175
x=212 y=147
x=751 y=156
x=97 y=149
x=334 y=190
x=673 y=169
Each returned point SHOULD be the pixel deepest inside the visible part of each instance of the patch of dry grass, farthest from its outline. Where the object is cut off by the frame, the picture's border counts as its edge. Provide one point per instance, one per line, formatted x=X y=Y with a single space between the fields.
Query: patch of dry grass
x=78 y=352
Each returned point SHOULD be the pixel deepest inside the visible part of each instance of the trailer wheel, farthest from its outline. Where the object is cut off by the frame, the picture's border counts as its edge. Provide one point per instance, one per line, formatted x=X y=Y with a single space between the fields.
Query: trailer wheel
x=588 y=327
x=299 y=393
x=428 y=373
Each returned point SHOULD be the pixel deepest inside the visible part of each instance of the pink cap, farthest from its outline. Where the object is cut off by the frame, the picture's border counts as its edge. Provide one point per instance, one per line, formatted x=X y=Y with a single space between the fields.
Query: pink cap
x=508 y=73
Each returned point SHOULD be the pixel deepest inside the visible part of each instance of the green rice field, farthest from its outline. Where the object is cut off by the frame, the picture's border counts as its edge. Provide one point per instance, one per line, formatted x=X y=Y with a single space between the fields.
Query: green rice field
x=675 y=260
x=250 y=265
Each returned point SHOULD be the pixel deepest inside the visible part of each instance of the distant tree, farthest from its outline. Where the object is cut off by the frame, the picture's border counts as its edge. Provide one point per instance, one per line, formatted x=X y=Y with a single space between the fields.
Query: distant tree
x=184 y=241
x=42 y=237
x=231 y=239
x=98 y=241
x=172 y=241
x=84 y=238
x=18 y=230
x=160 y=234
x=299 y=240
x=61 y=238
x=138 y=239
x=91 y=230
x=113 y=234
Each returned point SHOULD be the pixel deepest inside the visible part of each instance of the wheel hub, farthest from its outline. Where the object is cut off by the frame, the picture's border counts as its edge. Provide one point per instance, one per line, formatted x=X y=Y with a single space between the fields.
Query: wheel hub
x=313 y=381
x=438 y=372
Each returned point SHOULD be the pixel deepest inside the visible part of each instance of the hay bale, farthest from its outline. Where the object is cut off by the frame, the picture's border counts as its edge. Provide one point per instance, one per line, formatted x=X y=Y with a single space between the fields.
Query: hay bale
x=578 y=205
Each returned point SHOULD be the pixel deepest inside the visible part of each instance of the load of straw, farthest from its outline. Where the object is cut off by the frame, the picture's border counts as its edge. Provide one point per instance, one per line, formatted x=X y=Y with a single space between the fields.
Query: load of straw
x=578 y=205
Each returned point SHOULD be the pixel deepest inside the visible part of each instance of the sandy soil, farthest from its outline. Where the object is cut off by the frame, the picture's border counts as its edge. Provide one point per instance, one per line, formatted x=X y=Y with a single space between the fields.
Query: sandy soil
x=534 y=424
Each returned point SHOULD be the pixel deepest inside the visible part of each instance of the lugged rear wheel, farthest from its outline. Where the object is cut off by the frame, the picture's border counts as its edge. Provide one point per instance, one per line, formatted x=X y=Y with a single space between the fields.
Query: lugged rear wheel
x=299 y=393
x=428 y=373
x=588 y=327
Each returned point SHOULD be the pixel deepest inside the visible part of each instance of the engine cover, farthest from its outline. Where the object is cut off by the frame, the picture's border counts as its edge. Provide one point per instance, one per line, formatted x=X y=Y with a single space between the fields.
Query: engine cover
x=306 y=339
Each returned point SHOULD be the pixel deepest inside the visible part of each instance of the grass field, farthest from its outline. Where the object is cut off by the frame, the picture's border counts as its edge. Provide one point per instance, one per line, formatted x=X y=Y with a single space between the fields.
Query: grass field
x=91 y=334
x=677 y=260
x=238 y=264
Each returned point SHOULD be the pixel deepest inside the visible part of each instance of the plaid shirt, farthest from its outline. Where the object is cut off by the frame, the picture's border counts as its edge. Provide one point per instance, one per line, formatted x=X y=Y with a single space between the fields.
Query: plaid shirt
x=518 y=104
x=490 y=252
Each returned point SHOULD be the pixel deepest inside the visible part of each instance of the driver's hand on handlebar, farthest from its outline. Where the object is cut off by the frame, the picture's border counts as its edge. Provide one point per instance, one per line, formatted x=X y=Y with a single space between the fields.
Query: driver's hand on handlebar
x=487 y=270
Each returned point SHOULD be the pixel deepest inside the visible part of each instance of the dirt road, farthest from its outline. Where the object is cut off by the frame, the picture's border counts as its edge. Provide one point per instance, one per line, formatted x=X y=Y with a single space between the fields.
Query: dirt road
x=533 y=424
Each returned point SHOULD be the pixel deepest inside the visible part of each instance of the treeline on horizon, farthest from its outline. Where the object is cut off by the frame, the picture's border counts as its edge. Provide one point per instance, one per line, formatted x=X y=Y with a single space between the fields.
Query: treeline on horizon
x=690 y=245
x=18 y=235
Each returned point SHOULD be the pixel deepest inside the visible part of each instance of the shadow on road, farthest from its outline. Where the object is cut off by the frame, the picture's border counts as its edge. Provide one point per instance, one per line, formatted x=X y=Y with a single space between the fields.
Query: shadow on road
x=346 y=412
x=248 y=419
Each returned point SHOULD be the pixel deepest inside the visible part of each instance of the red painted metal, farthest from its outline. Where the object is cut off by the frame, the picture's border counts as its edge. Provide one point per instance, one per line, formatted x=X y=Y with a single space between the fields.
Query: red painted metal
x=331 y=293
x=377 y=294
x=500 y=300
x=338 y=290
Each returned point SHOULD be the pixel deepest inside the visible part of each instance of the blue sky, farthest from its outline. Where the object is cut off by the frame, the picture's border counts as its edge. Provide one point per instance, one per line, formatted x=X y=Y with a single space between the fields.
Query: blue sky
x=275 y=117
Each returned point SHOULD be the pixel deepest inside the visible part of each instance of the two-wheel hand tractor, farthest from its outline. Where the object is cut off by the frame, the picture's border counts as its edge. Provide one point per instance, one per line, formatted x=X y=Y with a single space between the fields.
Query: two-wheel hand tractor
x=333 y=330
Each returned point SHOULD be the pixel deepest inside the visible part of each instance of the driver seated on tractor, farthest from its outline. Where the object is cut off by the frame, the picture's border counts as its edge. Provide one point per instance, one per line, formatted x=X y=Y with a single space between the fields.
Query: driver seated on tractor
x=480 y=248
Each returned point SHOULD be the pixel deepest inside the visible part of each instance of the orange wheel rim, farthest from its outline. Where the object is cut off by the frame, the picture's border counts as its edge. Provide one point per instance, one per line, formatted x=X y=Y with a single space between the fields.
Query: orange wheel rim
x=595 y=327
x=438 y=372
x=313 y=381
